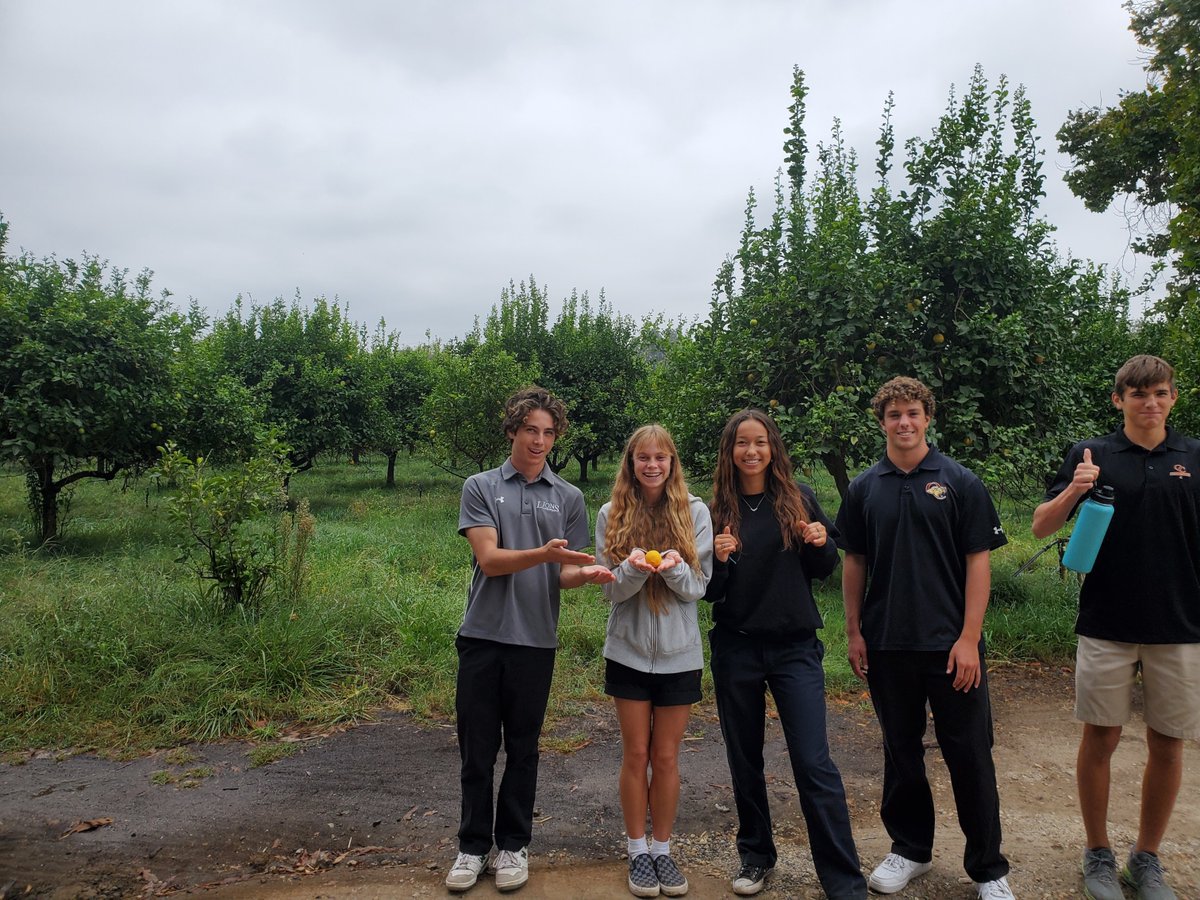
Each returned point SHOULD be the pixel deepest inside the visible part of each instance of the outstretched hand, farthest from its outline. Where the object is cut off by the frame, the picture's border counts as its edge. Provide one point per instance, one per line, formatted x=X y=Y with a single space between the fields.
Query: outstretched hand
x=557 y=552
x=597 y=574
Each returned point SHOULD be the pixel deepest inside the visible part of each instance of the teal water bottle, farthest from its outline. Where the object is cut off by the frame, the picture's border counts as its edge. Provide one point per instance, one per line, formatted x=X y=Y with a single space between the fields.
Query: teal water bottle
x=1094 y=516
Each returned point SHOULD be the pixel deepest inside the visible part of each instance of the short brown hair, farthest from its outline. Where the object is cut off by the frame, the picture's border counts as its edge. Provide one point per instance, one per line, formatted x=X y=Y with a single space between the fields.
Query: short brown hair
x=525 y=401
x=903 y=389
x=1143 y=371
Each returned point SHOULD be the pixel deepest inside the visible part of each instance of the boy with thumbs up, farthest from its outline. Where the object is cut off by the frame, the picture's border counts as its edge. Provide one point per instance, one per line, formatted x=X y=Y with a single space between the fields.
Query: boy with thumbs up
x=1132 y=619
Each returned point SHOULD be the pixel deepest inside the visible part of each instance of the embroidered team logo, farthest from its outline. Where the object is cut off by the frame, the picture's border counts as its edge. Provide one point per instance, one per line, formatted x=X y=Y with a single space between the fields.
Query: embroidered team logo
x=546 y=505
x=1180 y=471
x=936 y=491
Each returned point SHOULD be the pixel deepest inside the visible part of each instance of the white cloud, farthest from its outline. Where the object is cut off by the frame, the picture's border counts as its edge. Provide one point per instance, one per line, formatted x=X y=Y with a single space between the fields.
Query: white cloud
x=412 y=158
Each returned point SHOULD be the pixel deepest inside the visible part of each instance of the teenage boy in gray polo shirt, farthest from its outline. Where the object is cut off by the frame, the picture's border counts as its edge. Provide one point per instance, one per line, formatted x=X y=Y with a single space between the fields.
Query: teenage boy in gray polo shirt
x=1139 y=611
x=526 y=527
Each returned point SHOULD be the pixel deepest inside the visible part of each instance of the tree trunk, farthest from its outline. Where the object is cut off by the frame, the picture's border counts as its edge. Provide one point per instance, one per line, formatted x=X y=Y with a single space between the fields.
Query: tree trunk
x=583 y=467
x=391 y=470
x=836 y=466
x=46 y=501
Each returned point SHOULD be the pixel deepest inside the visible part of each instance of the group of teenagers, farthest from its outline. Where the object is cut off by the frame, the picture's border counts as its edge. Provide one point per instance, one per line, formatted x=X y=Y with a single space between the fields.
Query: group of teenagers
x=915 y=530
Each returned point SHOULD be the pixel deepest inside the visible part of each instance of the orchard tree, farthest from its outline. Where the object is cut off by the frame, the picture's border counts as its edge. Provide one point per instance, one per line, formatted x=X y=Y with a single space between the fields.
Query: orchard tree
x=312 y=370
x=1146 y=150
x=464 y=409
x=85 y=375
x=215 y=415
x=405 y=378
x=1147 y=147
x=951 y=279
x=591 y=357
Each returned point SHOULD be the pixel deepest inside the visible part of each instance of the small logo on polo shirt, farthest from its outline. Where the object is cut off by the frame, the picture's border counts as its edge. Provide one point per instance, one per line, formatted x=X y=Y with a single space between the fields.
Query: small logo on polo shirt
x=499 y=499
x=997 y=529
x=1180 y=471
x=549 y=507
x=936 y=491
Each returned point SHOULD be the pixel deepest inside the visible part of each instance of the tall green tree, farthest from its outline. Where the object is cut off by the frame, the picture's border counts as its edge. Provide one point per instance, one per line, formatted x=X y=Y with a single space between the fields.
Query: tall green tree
x=591 y=357
x=311 y=367
x=465 y=405
x=85 y=375
x=1146 y=150
x=405 y=376
x=1147 y=146
x=951 y=278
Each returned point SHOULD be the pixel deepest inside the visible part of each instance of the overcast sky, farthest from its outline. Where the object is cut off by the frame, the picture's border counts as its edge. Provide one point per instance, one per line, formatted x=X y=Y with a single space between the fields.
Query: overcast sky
x=413 y=157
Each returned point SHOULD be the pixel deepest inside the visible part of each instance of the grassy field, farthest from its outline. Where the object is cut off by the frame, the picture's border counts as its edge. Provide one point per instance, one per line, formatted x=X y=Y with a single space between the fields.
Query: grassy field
x=107 y=644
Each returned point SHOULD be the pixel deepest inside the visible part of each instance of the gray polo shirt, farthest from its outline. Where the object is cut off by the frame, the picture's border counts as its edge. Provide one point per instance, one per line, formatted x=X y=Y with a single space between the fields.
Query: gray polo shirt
x=521 y=608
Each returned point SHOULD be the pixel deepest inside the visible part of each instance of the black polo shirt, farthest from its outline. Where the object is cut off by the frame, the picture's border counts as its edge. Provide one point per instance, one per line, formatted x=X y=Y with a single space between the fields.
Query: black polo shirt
x=1145 y=586
x=915 y=530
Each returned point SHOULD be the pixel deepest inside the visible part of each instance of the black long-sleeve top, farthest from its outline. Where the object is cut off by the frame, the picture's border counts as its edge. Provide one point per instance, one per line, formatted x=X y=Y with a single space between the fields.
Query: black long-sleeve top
x=765 y=590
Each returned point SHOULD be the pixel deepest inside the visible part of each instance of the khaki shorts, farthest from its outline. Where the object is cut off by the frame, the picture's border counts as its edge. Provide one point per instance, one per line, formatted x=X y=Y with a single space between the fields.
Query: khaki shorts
x=1105 y=672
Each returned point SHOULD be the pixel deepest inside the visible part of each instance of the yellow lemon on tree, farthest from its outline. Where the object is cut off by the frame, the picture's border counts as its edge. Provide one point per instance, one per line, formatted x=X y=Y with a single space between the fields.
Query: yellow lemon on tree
x=939 y=338
x=653 y=557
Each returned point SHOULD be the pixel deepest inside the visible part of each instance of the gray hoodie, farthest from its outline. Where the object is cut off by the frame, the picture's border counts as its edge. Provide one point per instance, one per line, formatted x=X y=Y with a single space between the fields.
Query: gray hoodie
x=664 y=642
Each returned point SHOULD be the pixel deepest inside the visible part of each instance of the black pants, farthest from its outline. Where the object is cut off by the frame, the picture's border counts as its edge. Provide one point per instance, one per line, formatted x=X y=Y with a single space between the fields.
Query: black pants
x=901 y=683
x=743 y=669
x=502 y=692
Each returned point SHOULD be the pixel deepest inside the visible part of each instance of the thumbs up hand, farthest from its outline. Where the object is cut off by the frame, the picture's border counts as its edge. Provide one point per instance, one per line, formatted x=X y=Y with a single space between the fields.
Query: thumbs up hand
x=1086 y=474
x=724 y=544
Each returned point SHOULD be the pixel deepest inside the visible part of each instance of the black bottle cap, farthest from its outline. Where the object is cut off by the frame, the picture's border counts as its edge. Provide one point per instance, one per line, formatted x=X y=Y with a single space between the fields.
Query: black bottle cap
x=1104 y=493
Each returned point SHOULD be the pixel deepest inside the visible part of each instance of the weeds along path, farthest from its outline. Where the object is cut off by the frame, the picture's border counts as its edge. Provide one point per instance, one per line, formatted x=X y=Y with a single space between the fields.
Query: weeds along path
x=372 y=812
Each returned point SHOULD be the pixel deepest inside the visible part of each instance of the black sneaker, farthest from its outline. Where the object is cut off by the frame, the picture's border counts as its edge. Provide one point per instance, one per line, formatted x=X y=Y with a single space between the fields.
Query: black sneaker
x=670 y=879
x=750 y=879
x=643 y=879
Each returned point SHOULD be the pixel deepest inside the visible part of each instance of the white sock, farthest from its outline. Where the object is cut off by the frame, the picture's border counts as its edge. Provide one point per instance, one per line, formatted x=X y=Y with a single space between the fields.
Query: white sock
x=636 y=846
x=660 y=848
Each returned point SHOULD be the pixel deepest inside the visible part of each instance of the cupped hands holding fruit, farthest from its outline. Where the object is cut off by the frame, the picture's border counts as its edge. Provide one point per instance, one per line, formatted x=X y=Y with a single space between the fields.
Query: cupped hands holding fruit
x=651 y=561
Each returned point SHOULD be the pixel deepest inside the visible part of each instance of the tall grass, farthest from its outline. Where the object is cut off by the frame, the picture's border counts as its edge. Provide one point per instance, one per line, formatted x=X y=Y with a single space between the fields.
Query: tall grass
x=104 y=643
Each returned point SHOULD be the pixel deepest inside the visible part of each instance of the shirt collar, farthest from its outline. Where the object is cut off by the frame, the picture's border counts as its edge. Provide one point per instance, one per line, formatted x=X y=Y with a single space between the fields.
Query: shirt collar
x=508 y=471
x=1173 y=441
x=932 y=461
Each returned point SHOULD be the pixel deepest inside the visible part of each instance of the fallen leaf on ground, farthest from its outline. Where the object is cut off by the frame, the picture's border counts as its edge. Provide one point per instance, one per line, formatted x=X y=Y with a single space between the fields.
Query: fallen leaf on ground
x=86 y=825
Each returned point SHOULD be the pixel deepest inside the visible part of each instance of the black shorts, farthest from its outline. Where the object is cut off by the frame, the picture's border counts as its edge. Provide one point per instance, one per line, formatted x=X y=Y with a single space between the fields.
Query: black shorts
x=670 y=689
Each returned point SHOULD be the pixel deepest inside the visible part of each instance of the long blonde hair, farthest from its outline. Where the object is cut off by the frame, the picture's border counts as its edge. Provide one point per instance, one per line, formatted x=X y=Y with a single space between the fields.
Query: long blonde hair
x=634 y=523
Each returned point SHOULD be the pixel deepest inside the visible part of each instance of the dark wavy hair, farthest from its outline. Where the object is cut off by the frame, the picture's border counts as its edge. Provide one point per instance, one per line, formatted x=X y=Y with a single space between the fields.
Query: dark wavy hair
x=781 y=488
x=525 y=401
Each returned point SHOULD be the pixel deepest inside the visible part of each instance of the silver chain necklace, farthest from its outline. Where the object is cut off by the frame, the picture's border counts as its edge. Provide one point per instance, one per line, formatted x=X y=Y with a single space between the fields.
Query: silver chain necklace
x=747 y=502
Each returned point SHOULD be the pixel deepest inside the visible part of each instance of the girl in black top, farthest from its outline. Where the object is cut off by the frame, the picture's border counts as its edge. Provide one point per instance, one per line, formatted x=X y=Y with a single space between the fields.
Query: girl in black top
x=771 y=540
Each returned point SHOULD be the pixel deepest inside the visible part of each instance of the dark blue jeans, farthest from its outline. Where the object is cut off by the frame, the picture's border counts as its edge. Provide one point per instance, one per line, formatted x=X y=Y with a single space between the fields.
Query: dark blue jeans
x=901 y=682
x=502 y=693
x=743 y=669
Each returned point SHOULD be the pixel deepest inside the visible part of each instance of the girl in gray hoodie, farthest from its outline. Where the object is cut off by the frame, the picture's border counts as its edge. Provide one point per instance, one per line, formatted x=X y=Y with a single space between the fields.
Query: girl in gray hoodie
x=657 y=539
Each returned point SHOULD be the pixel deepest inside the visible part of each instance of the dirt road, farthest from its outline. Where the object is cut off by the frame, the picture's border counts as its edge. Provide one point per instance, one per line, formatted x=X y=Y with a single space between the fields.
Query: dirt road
x=372 y=812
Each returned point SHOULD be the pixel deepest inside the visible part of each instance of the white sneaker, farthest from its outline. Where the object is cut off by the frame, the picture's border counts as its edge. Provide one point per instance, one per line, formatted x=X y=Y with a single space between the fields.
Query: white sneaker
x=895 y=872
x=465 y=872
x=994 y=890
x=511 y=868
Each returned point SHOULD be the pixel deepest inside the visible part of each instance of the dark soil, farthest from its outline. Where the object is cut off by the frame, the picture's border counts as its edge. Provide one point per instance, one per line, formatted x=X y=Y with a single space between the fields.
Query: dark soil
x=372 y=811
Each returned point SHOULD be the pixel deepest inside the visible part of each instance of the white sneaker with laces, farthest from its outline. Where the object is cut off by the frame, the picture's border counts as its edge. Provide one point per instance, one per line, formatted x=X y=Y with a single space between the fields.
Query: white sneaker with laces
x=894 y=873
x=466 y=871
x=511 y=868
x=994 y=890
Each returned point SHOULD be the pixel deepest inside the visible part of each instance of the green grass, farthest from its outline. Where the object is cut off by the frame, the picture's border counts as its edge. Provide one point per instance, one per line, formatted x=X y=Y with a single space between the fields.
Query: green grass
x=106 y=643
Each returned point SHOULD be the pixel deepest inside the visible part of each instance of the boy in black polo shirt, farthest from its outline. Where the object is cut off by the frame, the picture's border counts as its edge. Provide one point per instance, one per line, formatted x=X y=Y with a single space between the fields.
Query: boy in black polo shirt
x=918 y=529
x=1139 y=609
x=525 y=526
